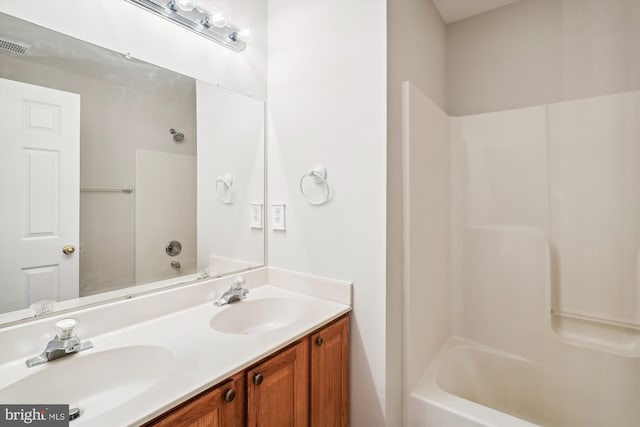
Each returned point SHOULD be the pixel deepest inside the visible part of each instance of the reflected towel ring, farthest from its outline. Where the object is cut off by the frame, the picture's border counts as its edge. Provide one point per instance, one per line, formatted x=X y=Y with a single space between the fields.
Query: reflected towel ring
x=319 y=176
x=227 y=182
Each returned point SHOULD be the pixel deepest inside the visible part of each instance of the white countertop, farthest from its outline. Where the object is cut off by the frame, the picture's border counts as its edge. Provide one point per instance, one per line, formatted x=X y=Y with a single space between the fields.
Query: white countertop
x=195 y=356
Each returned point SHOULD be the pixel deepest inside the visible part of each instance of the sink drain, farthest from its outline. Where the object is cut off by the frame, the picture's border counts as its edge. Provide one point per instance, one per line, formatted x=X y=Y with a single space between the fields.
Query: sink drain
x=74 y=413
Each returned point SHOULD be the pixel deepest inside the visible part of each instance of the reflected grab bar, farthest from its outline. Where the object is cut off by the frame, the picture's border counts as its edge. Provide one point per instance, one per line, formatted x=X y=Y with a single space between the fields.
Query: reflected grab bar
x=107 y=189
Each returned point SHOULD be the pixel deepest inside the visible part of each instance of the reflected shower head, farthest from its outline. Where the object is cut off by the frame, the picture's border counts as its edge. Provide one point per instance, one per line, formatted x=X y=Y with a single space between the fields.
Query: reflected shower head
x=177 y=136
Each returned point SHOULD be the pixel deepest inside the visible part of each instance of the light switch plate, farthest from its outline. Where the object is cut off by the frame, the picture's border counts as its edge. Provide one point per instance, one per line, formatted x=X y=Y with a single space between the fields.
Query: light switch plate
x=255 y=211
x=278 y=216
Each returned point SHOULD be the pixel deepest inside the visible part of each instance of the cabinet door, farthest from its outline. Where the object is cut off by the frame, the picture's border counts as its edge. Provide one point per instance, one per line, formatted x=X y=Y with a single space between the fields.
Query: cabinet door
x=222 y=406
x=330 y=375
x=278 y=389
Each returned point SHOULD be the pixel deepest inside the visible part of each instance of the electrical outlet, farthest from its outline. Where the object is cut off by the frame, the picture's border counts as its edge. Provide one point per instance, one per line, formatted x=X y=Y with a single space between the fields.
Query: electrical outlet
x=278 y=216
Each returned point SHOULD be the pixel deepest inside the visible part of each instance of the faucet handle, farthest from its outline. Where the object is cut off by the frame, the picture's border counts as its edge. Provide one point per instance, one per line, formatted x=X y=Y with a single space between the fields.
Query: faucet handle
x=65 y=327
x=238 y=283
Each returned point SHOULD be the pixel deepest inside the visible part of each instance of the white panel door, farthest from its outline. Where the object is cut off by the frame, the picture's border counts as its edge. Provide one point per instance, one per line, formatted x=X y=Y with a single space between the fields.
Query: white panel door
x=39 y=194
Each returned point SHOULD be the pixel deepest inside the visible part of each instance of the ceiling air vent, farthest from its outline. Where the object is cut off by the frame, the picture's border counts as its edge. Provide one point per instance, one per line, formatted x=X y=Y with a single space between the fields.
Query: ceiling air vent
x=13 y=47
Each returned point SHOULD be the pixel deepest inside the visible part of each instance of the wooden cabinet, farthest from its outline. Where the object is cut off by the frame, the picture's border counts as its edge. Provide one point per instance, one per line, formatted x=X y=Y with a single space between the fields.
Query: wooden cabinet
x=306 y=384
x=278 y=389
x=329 y=404
x=221 y=406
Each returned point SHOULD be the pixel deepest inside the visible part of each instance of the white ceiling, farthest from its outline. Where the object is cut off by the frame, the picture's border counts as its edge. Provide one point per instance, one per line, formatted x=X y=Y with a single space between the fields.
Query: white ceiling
x=455 y=10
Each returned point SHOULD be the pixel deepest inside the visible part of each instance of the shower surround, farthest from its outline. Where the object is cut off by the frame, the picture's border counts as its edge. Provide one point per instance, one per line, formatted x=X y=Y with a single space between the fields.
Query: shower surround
x=530 y=313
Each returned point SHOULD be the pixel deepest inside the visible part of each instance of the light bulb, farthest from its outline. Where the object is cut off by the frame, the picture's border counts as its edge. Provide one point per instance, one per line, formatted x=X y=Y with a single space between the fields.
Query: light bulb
x=213 y=18
x=218 y=20
x=245 y=35
x=186 y=5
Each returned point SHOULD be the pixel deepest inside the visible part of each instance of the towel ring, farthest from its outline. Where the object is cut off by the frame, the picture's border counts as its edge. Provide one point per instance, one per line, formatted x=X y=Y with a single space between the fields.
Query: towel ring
x=319 y=176
x=227 y=182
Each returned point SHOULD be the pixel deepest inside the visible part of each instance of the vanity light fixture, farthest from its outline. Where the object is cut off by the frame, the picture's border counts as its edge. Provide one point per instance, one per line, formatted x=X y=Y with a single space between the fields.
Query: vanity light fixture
x=208 y=23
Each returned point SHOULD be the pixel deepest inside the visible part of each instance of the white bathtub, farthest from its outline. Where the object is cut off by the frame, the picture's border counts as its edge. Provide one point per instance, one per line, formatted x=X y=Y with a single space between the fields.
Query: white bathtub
x=471 y=385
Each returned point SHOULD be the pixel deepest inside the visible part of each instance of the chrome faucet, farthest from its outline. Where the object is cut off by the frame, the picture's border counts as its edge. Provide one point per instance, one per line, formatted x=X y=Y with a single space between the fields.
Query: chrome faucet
x=236 y=292
x=65 y=343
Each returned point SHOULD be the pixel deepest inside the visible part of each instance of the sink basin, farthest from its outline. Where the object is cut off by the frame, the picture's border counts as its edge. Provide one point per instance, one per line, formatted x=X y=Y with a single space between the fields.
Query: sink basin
x=93 y=381
x=256 y=316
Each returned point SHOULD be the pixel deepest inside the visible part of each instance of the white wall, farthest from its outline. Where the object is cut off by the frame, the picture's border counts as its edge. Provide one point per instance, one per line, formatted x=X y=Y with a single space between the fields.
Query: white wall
x=123 y=27
x=416 y=53
x=230 y=140
x=536 y=52
x=327 y=105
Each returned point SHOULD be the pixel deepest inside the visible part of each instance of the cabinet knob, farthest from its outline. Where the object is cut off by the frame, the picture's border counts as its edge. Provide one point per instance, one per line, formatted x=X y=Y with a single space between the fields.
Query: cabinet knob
x=257 y=379
x=319 y=341
x=230 y=395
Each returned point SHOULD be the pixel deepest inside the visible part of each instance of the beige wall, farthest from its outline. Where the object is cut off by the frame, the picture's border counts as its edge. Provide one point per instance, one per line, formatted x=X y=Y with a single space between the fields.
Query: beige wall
x=416 y=53
x=537 y=52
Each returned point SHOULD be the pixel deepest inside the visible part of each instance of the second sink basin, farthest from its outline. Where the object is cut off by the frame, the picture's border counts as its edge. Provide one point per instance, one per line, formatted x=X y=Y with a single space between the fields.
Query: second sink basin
x=260 y=315
x=92 y=381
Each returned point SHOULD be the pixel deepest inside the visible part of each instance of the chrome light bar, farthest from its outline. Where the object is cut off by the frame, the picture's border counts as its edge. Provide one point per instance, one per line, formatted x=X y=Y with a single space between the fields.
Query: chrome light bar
x=196 y=20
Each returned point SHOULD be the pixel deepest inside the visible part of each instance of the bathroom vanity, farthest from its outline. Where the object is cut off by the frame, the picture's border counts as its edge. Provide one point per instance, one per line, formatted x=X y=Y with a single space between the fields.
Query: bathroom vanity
x=306 y=383
x=175 y=358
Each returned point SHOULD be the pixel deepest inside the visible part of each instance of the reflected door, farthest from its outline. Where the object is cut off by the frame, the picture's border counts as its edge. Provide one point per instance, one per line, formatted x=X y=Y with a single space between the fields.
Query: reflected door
x=39 y=194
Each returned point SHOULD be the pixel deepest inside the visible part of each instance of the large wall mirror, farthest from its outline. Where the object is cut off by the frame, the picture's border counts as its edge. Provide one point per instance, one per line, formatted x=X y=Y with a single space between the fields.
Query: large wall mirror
x=118 y=176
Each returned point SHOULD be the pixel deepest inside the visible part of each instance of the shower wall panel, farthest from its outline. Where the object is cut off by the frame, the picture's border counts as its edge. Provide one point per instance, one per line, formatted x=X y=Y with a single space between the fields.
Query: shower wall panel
x=501 y=292
x=540 y=196
x=594 y=159
x=505 y=292
x=426 y=225
x=569 y=172
x=506 y=155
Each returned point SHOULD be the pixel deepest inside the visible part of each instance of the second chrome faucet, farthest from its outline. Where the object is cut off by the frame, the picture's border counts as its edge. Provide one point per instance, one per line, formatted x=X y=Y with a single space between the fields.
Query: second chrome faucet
x=236 y=292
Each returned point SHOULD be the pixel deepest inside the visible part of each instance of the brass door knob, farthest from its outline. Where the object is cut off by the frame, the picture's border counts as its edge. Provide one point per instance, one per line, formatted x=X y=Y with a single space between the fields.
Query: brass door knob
x=68 y=249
